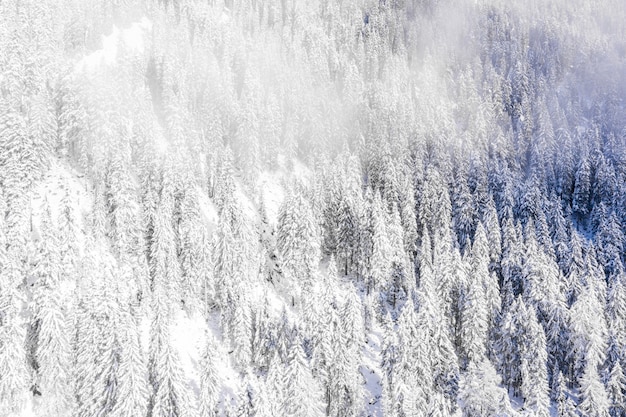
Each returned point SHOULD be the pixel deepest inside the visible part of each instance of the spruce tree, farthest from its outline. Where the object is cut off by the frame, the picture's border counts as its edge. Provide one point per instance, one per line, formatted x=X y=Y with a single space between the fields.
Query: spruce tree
x=616 y=390
x=133 y=394
x=209 y=388
x=302 y=396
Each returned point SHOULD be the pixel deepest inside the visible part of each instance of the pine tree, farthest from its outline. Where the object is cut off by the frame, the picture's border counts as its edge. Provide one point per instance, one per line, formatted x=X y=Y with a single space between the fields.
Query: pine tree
x=409 y=219
x=263 y=402
x=559 y=234
x=302 y=396
x=480 y=269
x=595 y=401
x=209 y=388
x=565 y=407
x=435 y=209
x=616 y=390
x=224 y=263
x=582 y=189
x=575 y=269
x=534 y=385
x=616 y=311
x=463 y=214
x=133 y=394
x=402 y=279
x=521 y=340
x=241 y=331
x=610 y=240
x=13 y=383
x=194 y=261
x=169 y=396
x=481 y=392
x=414 y=366
x=347 y=233
x=98 y=345
x=297 y=243
x=511 y=263
x=474 y=322
x=24 y=152
x=380 y=259
x=275 y=384
x=588 y=332
x=52 y=351
x=389 y=357
x=247 y=399
x=347 y=350
x=164 y=266
x=492 y=230
x=120 y=199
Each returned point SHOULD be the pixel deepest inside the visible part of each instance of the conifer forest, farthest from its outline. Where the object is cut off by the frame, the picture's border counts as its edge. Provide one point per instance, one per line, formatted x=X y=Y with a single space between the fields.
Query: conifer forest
x=310 y=208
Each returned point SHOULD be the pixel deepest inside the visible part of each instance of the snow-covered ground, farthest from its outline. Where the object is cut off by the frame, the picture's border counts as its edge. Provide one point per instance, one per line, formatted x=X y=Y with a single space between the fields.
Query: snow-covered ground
x=372 y=373
x=132 y=39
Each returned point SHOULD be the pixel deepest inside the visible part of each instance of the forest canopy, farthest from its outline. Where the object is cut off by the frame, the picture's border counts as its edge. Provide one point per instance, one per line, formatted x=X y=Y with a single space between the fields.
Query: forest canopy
x=305 y=208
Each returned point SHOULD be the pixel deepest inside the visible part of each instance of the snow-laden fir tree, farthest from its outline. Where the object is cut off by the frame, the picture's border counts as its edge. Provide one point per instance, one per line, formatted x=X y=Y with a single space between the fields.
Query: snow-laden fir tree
x=616 y=390
x=53 y=349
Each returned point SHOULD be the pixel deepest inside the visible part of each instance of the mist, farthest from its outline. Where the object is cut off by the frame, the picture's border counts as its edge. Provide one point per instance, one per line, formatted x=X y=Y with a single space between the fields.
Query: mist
x=342 y=208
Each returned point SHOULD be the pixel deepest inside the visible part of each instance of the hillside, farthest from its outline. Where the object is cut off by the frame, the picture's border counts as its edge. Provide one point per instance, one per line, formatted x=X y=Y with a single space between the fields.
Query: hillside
x=336 y=208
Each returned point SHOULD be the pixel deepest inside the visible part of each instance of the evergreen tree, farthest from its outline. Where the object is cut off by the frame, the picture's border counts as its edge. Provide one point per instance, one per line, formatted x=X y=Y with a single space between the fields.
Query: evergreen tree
x=14 y=380
x=595 y=401
x=133 y=394
x=616 y=390
x=297 y=243
x=247 y=400
x=302 y=397
x=582 y=189
x=494 y=238
x=474 y=322
x=241 y=331
x=209 y=389
x=224 y=262
x=463 y=214
x=486 y=280
x=52 y=350
x=534 y=386
x=409 y=219
x=481 y=392
x=588 y=333
x=275 y=384
x=565 y=407
x=402 y=279
x=347 y=233
x=98 y=345
x=380 y=258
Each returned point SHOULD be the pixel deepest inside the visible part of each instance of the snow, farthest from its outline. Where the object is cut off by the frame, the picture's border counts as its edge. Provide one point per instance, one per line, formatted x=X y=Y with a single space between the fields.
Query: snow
x=131 y=38
x=189 y=332
x=230 y=380
x=225 y=17
x=207 y=210
x=273 y=183
x=59 y=180
x=272 y=194
x=28 y=410
x=372 y=372
x=160 y=142
x=187 y=338
x=265 y=294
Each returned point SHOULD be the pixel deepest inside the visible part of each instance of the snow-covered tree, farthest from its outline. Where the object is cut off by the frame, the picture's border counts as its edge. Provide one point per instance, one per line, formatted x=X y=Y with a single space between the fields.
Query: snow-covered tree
x=302 y=395
x=616 y=390
x=481 y=392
